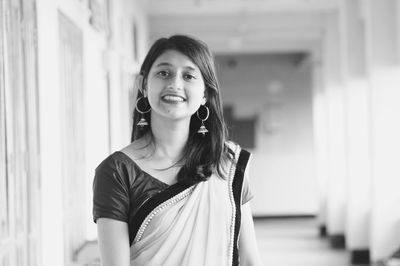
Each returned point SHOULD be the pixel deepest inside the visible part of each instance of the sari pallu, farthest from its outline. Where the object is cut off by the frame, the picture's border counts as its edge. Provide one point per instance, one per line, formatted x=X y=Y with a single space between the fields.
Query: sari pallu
x=192 y=225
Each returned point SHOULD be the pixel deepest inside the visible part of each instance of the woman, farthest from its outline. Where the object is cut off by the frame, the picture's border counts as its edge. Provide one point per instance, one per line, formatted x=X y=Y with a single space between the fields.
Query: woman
x=177 y=195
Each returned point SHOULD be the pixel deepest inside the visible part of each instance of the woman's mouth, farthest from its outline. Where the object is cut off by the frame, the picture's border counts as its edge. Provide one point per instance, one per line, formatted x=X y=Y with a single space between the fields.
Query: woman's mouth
x=173 y=98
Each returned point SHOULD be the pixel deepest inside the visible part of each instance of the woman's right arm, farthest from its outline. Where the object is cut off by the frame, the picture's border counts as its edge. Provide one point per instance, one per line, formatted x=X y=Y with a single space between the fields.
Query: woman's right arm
x=113 y=239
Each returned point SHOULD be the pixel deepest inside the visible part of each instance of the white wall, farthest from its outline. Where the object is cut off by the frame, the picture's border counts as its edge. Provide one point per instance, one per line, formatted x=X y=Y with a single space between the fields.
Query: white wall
x=336 y=136
x=99 y=57
x=383 y=67
x=358 y=209
x=124 y=66
x=108 y=119
x=277 y=90
x=360 y=81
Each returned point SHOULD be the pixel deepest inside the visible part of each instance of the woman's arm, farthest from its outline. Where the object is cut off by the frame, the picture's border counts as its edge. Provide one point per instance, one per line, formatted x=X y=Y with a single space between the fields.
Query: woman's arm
x=113 y=242
x=248 y=250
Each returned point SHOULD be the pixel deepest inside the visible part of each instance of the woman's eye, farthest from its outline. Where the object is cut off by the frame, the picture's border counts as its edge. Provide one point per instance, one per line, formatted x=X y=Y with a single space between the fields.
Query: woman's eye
x=163 y=73
x=189 y=77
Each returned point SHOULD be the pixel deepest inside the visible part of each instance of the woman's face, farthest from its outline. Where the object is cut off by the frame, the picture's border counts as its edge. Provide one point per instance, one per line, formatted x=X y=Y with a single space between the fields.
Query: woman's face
x=175 y=86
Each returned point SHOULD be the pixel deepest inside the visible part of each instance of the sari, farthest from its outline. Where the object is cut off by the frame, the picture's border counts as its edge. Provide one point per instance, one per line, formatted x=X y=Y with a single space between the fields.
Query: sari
x=192 y=225
x=179 y=224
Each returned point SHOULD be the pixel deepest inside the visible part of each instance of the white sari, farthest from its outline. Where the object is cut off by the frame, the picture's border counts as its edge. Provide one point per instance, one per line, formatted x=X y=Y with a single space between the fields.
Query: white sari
x=192 y=225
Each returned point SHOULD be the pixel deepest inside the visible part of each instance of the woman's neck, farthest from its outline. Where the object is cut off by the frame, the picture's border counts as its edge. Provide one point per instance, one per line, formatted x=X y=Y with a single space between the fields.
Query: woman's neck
x=170 y=138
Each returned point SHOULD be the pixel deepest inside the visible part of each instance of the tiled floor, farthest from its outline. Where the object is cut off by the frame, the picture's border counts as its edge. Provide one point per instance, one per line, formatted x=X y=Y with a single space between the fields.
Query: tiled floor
x=295 y=242
x=282 y=242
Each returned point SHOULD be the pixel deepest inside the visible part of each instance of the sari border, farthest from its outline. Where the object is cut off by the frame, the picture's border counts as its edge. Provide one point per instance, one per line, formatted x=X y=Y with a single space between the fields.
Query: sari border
x=237 y=186
x=233 y=205
x=152 y=204
x=159 y=208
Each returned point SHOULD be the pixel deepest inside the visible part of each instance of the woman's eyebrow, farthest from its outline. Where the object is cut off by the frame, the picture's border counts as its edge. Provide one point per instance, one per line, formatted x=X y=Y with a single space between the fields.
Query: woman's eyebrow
x=170 y=65
x=163 y=64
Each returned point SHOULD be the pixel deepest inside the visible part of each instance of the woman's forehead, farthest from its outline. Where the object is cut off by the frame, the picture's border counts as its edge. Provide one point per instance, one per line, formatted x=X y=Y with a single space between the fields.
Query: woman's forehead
x=176 y=59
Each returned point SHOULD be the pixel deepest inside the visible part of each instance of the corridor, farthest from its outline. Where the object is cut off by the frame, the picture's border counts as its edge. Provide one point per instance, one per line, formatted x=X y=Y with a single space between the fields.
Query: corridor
x=295 y=242
x=282 y=242
x=310 y=88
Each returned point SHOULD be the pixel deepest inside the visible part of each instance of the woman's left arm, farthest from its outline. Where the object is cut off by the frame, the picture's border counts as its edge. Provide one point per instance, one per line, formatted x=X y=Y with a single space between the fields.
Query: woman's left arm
x=248 y=250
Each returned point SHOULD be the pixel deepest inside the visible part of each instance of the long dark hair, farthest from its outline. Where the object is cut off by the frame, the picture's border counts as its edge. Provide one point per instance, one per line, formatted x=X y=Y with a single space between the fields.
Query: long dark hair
x=202 y=154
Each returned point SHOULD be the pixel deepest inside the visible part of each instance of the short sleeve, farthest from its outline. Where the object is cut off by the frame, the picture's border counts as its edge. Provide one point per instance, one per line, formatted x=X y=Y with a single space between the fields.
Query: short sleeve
x=246 y=191
x=110 y=192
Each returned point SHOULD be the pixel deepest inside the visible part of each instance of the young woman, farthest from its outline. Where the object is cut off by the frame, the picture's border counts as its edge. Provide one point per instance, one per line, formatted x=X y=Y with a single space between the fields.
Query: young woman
x=178 y=194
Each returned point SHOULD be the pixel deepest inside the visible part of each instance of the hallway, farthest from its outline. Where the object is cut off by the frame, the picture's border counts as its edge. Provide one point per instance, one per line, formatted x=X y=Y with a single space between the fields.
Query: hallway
x=282 y=242
x=309 y=87
x=295 y=242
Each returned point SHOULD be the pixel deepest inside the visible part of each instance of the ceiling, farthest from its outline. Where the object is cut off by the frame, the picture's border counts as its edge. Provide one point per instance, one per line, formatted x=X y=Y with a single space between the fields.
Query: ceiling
x=243 y=26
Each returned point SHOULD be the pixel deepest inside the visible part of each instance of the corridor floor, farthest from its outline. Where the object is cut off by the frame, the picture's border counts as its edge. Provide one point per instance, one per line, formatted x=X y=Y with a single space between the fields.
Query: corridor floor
x=282 y=242
x=295 y=242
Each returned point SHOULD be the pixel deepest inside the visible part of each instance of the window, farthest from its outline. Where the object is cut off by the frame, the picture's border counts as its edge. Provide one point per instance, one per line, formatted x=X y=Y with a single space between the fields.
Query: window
x=19 y=174
x=73 y=130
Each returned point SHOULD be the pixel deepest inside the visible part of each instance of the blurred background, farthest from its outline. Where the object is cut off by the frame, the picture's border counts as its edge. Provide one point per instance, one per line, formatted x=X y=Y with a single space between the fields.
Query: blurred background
x=310 y=87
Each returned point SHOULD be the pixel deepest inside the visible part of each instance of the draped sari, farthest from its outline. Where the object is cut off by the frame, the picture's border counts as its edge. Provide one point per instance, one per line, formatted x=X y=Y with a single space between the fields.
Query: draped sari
x=191 y=224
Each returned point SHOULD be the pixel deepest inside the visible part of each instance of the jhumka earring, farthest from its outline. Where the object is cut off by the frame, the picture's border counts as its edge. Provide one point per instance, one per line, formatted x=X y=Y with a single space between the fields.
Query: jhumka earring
x=142 y=122
x=203 y=130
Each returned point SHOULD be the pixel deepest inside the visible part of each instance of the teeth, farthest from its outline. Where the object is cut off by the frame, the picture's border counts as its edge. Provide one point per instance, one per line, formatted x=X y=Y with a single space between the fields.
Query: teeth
x=173 y=98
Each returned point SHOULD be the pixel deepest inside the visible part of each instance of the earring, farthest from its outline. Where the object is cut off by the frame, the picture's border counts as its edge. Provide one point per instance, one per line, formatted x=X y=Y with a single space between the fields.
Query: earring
x=142 y=122
x=203 y=130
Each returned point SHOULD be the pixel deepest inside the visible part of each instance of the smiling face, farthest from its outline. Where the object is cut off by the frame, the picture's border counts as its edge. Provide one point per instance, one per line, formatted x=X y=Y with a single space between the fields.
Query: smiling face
x=175 y=87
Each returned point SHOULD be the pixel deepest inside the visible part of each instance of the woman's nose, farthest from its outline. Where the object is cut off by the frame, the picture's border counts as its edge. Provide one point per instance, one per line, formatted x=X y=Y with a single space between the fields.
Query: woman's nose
x=176 y=83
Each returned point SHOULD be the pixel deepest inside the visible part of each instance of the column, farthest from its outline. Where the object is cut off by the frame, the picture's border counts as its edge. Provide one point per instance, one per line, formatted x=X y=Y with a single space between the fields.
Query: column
x=358 y=135
x=336 y=149
x=384 y=77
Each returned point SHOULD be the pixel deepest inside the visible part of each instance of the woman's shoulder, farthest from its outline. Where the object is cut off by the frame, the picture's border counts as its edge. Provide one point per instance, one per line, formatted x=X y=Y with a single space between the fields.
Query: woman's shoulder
x=136 y=150
x=121 y=160
x=113 y=163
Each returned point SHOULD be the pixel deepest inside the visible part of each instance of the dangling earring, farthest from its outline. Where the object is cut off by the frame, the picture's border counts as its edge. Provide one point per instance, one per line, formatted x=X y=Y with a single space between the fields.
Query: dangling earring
x=142 y=122
x=203 y=130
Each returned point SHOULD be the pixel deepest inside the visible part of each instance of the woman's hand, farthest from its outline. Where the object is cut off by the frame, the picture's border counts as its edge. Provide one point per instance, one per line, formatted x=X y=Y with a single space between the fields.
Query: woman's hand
x=113 y=242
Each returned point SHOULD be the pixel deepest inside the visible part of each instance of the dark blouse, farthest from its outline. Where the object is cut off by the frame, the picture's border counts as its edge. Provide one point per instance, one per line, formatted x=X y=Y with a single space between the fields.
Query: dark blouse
x=120 y=188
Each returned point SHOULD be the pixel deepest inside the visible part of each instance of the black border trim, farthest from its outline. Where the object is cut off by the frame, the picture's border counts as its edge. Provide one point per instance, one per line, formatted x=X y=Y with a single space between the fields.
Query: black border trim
x=152 y=203
x=237 y=185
